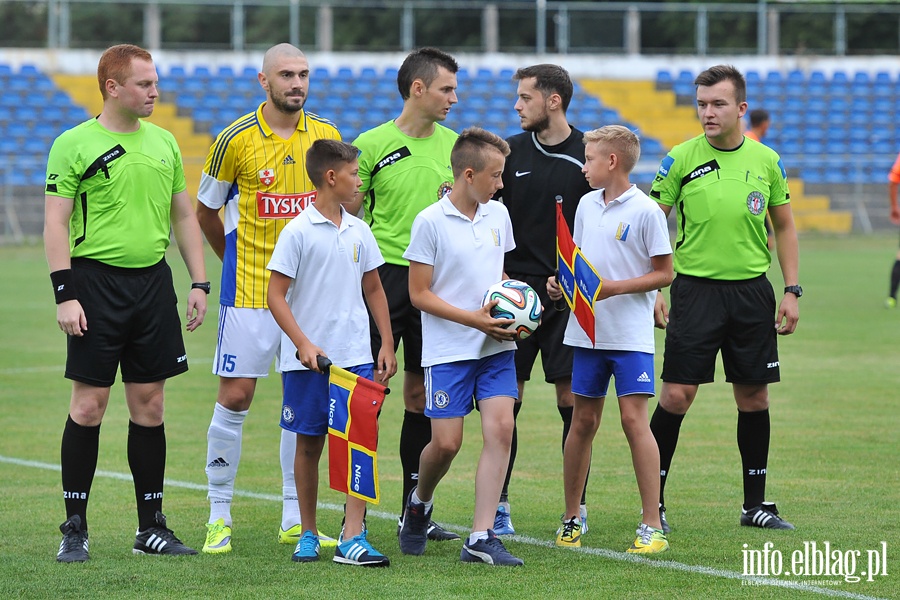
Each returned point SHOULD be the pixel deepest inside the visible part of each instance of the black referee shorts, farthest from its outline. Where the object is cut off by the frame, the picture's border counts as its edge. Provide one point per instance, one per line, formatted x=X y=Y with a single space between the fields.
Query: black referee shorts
x=736 y=317
x=132 y=320
x=556 y=357
x=406 y=319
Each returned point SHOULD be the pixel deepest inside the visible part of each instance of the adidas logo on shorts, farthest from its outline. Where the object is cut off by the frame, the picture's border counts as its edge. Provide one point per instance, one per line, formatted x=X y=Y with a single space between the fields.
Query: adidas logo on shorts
x=219 y=462
x=644 y=378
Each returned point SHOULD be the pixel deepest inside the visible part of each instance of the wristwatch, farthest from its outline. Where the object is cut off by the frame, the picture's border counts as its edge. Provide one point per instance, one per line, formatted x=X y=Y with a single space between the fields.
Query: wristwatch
x=201 y=286
x=794 y=289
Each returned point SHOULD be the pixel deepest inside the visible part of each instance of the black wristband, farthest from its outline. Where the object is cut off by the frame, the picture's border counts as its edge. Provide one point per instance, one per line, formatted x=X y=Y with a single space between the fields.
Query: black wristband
x=63 y=285
x=201 y=285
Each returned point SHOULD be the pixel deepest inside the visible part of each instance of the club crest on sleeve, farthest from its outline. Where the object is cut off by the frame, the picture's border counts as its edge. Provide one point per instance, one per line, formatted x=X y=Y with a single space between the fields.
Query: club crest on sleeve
x=267 y=176
x=444 y=189
x=756 y=203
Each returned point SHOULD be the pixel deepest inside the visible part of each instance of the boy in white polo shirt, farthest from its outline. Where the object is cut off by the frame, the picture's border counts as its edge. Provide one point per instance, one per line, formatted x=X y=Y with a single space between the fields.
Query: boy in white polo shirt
x=624 y=235
x=456 y=252
x=323 y=258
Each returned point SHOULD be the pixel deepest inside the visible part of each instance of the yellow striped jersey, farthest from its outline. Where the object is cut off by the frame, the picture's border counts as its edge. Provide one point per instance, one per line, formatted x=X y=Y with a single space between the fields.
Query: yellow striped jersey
x=261 y=181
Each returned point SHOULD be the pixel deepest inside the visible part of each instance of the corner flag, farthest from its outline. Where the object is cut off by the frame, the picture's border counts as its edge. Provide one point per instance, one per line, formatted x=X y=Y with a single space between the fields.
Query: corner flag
x=353 y=433
x=579 y=281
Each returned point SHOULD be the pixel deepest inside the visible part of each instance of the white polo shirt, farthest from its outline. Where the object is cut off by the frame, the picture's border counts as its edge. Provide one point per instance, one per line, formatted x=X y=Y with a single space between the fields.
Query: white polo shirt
x=467 y=256
x=619 y=238
x=327 y=264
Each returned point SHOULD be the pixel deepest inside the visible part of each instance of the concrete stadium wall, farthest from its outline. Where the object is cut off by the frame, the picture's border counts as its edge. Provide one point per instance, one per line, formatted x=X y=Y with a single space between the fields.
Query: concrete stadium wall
x=599 y=66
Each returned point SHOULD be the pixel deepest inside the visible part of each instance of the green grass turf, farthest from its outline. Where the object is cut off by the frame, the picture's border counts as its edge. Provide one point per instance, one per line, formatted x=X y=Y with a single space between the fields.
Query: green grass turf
x=832 y=470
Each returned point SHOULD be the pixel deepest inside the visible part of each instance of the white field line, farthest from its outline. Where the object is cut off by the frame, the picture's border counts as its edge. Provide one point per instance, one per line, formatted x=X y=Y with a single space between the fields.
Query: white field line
x=610 y=554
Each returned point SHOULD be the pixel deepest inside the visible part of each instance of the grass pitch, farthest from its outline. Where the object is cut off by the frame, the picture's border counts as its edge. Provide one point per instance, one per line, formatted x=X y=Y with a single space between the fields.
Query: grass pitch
x=832 y=470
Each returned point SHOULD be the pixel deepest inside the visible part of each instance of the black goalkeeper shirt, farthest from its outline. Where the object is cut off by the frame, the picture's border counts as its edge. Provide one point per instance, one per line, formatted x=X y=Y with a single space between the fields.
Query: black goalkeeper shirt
x=534 y=177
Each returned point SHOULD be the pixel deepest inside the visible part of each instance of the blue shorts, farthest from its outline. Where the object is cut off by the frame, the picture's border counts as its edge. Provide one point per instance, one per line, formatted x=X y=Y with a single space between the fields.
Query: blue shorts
x=451 y=389
x=592 y=369
x=306 y=398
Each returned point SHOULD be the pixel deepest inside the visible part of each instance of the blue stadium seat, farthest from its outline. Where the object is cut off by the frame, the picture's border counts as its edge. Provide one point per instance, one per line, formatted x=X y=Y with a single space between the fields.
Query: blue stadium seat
x=859 y=134
x=791 y=146
x=18 y=130
x=683 y=88
x=685 y=76
x=219 y=87
x=814 y=134
x=5 y=70
x=651 y=146
x=839 y=77
x=7 y=146
x=862 y=78
x=796 y=76
x=29 y=70
x=225 y=71
x=857 y=148
x=841 y=88
x=320 y=73
x=505 y=75
x=835 y=147
x=368 y=74
x=342 y=88
x=884 y=90
x=15 y=178
x=177 y=71
x=345 y=73
x=36 y=146
x=838 y=105
x=46 y=130
x=835 y=176
x=391 y=73
x=816 y=89
x=484 y=73
x=815 y=120
x=193 y=86
x=202 y=72
x=664 y=78
x=816 y=105
x=883 y=146
x=883 y=78
x=882 y=105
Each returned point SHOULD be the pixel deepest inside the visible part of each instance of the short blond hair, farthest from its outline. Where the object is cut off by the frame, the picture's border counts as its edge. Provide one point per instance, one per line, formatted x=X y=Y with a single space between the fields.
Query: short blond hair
x=623 y=142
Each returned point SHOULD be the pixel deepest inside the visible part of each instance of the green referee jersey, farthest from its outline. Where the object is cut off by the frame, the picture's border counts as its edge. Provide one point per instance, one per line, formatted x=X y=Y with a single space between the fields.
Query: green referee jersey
x=721 y=198
x=122 y=185
x=401 y=175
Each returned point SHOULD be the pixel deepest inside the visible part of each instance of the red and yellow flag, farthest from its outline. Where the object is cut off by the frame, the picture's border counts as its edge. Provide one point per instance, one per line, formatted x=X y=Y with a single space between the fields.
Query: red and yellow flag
x=353 y=434
x=578 y=279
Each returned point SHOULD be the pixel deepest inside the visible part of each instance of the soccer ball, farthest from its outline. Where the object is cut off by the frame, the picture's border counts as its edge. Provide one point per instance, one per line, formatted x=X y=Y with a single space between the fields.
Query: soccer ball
x=518 y=301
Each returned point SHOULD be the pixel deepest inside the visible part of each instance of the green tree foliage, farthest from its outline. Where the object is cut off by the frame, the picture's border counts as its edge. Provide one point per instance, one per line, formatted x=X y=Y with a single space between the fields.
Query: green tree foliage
x=23 y=24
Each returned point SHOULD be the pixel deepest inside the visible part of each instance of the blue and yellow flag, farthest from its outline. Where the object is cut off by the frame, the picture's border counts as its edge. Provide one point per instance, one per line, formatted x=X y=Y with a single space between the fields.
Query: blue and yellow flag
x=353 y=434
x=578 y=279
